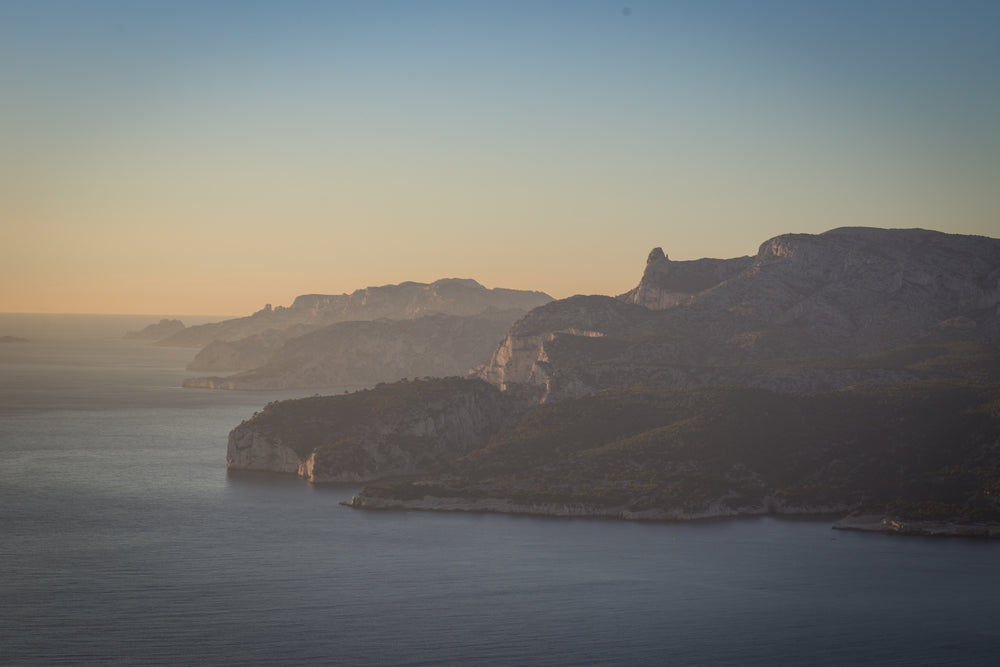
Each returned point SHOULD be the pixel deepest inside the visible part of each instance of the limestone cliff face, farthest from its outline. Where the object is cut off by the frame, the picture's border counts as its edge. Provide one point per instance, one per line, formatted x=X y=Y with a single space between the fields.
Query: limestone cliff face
x=521 y=356
x=249 y=449
x=844 y=293
x=402 y=429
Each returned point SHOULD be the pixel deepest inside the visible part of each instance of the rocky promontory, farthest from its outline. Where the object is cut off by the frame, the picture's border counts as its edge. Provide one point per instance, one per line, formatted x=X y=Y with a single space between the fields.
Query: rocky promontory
x=411 y=427
x=660 y=453
x=855 y=372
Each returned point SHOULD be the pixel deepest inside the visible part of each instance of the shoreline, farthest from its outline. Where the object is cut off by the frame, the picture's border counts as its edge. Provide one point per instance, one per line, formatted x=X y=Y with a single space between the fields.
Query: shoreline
x=878 y=523
x=866 y=523
x=582 y=510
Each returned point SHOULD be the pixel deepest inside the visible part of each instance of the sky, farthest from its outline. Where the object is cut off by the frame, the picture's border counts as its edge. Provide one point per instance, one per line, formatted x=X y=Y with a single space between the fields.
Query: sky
x=207 y=158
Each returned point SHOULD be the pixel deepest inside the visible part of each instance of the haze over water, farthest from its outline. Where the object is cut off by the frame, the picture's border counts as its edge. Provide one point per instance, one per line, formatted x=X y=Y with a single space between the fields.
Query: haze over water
x=125 y=540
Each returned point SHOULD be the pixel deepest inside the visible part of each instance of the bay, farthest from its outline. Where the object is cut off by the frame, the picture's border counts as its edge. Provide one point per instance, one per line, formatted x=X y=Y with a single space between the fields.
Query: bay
x=125 y=541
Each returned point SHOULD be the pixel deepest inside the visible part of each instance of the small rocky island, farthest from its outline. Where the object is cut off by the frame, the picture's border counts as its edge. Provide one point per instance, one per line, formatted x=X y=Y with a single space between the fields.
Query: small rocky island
x=854 y=374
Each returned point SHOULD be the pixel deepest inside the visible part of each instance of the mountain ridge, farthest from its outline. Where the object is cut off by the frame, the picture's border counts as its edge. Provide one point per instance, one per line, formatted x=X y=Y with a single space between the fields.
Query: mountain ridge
x=855 y=371
x=451 y=296
x=846 y=292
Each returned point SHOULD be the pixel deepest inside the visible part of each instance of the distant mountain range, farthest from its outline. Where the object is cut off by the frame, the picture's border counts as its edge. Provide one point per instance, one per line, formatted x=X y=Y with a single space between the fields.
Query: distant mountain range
x=372 y=335
x=852 y=371
x=409 y=300
x=364 y=352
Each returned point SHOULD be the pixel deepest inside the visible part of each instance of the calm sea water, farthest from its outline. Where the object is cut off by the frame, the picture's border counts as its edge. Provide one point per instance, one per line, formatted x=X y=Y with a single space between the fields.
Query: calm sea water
x=125 y=541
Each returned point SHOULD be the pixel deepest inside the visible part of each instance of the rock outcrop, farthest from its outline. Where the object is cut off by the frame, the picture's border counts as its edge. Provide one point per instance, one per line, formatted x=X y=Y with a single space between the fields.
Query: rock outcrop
x=402 y=429
x=254 y=449
x=666 y=284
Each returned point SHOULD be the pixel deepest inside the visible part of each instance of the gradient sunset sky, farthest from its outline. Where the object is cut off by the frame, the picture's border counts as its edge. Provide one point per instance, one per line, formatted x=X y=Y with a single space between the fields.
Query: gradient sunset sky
x=208 y=157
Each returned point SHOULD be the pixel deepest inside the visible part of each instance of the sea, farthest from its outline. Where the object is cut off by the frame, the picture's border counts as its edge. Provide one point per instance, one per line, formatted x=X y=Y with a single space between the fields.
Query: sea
x=125 y=541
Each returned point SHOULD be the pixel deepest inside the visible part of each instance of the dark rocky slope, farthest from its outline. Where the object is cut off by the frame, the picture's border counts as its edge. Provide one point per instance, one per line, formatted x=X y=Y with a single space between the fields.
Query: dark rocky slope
x=924 y=451
x=403 y=428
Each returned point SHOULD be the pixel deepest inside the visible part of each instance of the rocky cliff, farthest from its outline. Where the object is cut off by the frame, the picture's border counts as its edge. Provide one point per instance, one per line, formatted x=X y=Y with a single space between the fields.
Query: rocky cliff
x=837 y=295
x=401 y=429
x=856 y=370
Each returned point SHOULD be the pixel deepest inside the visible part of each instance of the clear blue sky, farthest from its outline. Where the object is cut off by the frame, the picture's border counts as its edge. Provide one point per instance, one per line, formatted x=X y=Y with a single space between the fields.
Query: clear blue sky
x=208 y=157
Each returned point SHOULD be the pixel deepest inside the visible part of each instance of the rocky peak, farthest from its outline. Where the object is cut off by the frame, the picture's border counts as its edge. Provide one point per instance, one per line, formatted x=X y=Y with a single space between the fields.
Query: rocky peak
x=656 y=255
x=847 y=292
x=666 y=283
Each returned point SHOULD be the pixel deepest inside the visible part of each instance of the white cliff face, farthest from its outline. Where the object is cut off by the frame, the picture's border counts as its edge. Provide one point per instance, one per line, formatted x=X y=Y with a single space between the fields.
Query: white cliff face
x=249 y=449
x=520 y=359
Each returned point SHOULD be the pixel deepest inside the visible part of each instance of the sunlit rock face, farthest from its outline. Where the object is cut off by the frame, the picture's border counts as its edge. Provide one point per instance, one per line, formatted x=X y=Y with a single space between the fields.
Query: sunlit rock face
x=523 y=355
x=846 y=292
